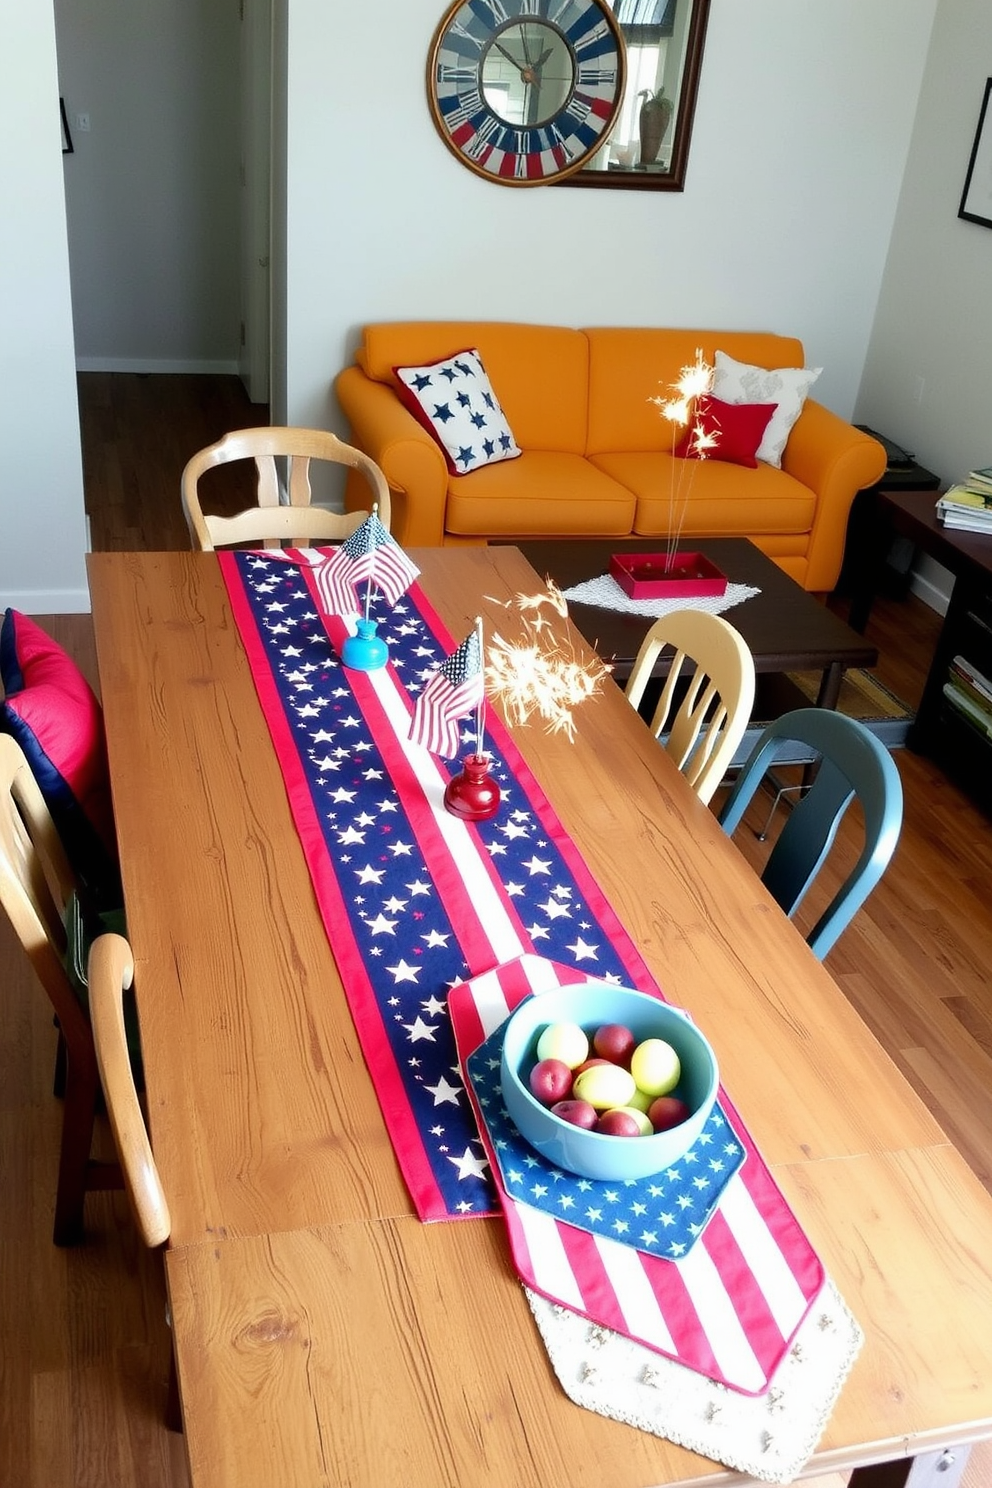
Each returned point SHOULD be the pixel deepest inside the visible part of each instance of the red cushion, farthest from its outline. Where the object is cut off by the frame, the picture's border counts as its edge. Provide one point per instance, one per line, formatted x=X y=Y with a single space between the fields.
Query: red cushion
x=736 y=428
x=52 y=712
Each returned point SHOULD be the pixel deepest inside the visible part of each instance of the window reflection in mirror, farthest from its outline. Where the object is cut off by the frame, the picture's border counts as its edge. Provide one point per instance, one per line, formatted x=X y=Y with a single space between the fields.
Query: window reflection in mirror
x=527 y=73
x=649 y=145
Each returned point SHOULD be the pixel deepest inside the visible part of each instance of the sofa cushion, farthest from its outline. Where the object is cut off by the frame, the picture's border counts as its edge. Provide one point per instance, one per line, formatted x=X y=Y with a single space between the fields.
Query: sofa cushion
x=724 y=431
x=787 y=387
x=631 y=366
x=704 y=498
x=456 y=403
x=541 y=494
x=540 y=372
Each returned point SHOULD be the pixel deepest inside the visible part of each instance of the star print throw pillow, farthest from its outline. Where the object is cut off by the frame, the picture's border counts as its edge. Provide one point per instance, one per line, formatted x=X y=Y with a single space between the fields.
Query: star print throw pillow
x=455 y=402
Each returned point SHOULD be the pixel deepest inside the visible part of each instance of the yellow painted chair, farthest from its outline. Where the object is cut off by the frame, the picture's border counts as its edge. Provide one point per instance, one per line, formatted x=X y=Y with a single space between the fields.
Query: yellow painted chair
x=710 y=718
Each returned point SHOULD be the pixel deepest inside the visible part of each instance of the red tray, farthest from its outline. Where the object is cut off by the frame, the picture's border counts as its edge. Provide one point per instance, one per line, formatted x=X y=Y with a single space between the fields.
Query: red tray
x=667 y=576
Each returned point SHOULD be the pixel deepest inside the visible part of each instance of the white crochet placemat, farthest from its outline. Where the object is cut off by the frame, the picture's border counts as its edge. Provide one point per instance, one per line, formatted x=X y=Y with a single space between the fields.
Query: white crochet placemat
x=770 y=1436
x=606 y=593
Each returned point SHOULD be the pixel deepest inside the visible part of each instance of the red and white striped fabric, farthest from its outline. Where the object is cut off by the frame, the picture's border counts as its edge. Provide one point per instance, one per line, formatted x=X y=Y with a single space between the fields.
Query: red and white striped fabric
x=729 y=1309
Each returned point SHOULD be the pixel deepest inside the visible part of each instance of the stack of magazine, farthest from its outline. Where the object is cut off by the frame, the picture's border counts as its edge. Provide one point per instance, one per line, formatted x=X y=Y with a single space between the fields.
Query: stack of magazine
x=967 y=690
x=968 y=506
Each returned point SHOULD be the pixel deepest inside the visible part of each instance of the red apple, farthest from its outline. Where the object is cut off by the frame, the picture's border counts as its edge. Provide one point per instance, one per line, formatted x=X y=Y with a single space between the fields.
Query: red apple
x=588 y=1064
x=578 y=1112
x=617 y=1124
x=550 y=1081
x=667 y=1111
x=615 y=1043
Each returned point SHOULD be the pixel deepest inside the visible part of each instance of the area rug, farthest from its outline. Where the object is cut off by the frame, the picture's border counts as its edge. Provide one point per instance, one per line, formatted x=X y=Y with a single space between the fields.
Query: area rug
x=863 y=697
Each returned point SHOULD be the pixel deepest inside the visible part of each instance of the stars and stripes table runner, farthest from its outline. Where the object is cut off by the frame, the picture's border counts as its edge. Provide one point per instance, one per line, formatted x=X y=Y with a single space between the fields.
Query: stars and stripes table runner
x=414 y=899
x=417 y=902
x=729 y=1308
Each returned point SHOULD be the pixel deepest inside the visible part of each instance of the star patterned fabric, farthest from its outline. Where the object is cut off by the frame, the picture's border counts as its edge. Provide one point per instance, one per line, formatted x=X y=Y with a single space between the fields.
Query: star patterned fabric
x=406 y=928
x=726 y=1300
x=422 y=908
x=664 y=1214
x=454 y=401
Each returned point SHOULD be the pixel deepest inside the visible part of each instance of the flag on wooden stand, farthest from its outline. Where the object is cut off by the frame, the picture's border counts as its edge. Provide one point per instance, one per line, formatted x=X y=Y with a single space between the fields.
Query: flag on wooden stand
x=452 y=692
x=371 y=554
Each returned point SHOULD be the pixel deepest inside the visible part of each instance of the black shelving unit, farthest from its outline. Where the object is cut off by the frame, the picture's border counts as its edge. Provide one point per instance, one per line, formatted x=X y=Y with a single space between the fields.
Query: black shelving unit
x=960 y=746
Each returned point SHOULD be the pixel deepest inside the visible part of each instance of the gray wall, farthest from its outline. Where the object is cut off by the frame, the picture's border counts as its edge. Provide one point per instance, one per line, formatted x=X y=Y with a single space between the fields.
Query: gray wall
x=42 y=526
x=928 y=374
x=152 y=190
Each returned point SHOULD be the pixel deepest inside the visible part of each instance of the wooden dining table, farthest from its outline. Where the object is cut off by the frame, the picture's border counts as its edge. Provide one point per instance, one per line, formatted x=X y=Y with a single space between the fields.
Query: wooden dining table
x=323 y=1334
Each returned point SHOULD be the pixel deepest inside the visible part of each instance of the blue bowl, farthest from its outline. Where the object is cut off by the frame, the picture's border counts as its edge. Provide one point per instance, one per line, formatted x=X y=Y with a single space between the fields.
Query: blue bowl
x=593 y=1154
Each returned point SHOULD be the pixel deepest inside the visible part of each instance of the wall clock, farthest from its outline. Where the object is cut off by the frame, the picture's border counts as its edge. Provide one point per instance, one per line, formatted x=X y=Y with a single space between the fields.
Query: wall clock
x=525 y=92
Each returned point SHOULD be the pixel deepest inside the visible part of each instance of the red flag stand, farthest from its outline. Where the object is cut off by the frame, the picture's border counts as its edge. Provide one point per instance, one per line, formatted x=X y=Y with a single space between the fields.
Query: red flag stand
x=473 y=794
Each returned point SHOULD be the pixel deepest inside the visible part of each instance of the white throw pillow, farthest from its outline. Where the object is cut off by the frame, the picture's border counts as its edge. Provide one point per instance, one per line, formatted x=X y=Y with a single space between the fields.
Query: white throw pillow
x=738 y=382
x=455 y=402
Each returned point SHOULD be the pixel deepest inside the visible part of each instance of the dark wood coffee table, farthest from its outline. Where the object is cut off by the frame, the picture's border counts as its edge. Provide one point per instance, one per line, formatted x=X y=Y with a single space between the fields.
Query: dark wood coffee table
x=786 y=629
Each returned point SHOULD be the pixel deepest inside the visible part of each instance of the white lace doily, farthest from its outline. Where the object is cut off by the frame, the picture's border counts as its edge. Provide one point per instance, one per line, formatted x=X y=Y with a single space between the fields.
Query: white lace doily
x=606 y=593
x=770 y=1436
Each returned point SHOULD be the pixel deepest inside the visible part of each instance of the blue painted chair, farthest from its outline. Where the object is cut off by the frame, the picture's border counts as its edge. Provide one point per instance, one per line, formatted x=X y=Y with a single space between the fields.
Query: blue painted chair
x=852 y=763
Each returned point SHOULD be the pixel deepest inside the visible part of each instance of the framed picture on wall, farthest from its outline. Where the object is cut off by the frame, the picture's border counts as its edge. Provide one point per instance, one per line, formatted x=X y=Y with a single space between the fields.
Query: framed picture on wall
x=976 y=201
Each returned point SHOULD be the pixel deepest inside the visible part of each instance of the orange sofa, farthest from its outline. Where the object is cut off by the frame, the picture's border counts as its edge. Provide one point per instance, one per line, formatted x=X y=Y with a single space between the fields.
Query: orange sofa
x=596 y=460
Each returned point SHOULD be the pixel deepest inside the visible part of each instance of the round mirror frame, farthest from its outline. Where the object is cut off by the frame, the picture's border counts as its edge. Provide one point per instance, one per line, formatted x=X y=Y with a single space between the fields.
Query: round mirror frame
x=525 y=154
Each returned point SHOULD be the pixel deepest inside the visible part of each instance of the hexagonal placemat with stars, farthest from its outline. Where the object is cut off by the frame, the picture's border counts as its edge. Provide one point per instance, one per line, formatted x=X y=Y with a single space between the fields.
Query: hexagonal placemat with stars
x=663 y=1215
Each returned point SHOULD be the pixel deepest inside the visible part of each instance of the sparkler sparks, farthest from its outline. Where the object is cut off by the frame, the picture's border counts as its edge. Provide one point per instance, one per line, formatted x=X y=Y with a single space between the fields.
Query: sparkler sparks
x=695 y=382
x=539 y=674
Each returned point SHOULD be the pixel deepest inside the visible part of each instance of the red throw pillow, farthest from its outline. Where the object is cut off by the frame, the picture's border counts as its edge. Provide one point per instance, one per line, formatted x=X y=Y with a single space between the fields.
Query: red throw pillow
x=737 y=429
x=52 y=712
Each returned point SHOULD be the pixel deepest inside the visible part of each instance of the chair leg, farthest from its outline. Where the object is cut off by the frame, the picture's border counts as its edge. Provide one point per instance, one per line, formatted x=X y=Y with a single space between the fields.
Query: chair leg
x=78 y=1119
x=58 y=1084
x=173 y=1407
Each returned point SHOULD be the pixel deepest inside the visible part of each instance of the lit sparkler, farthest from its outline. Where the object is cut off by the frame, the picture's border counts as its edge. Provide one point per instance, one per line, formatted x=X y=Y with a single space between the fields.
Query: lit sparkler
x=539 y=674
x=695 y=382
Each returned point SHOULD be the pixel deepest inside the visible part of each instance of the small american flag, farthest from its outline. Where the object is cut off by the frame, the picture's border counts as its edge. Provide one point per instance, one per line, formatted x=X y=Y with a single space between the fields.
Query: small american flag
x=370 y=553
x=453 y=691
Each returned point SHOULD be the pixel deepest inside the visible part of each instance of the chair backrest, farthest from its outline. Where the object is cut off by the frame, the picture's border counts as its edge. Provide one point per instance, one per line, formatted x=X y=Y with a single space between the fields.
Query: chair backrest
x=269 y=522
x=111 y=972
x=852 y=764
x=36 y=883
x=713 y=714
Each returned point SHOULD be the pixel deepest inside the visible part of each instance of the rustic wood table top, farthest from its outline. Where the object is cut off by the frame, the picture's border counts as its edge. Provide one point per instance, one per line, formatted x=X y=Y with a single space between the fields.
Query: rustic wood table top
x=323 y=1334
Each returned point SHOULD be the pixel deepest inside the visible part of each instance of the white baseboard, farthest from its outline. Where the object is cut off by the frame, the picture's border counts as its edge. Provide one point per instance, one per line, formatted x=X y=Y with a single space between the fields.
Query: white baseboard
x=930 y=593
x=48 y=601
x=153 y=366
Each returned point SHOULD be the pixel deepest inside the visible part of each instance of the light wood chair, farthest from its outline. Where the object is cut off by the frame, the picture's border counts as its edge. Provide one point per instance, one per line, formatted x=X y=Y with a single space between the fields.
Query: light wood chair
x=36 y=883
x=710 y=719
x=272 y=524
x=111 y=974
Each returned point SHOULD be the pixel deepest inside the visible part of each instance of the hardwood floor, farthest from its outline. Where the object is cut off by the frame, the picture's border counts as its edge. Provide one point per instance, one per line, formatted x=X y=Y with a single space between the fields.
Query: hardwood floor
x=138 y=432
x=84 y=1345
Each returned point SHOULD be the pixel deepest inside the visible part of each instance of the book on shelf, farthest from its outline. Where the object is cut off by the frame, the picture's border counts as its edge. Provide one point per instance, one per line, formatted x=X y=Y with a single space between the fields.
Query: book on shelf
x=968 y=500
x=966 y=510
x=979 y=479
x=976 y=698
x=965 y=524
x=964 y=705
x=970 y=673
